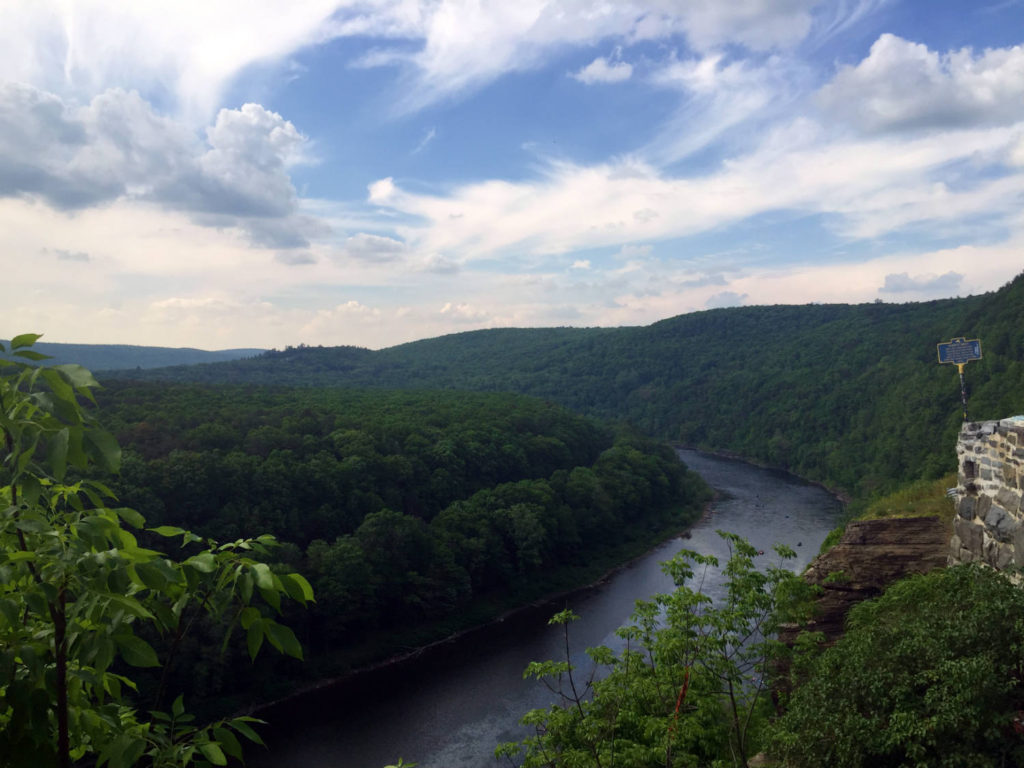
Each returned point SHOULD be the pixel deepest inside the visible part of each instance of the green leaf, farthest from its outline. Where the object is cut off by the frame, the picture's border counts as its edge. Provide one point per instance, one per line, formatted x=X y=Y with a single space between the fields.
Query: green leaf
x=229 y=742
x=254 y=638
x=298 y=588
x=241 y=724
x=178 y=707
x=282 y=638
x=130 y=516
x=25 y=340
x=30 y=490
x=30 y=354
x=167 y=530
x=133 y=607
x=264 y=578
x=78 y=375
x=204 y=562
x=212 y=752
x=106 y=450
x=136 y=651
x=20 y=557
x=59 y=454
x=248 y=616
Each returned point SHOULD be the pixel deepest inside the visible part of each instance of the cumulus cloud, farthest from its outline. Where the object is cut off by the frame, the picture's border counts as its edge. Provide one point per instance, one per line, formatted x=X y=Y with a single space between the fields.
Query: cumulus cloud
x=600 y=70
x=935 y=285
x=118 y=147
x=725 y=299
x=464 y=313
x=905 y=85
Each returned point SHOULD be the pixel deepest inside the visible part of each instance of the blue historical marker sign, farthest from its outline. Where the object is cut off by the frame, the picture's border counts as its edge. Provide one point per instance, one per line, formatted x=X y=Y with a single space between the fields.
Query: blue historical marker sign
x=959 y=351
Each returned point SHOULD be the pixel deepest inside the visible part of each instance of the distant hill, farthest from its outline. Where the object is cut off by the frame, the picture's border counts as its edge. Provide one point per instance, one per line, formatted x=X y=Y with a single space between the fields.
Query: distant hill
x=851 y=395
x=104 y=357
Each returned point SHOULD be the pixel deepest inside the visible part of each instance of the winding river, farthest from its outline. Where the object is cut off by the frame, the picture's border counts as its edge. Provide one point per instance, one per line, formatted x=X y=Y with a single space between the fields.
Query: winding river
x=450 y=707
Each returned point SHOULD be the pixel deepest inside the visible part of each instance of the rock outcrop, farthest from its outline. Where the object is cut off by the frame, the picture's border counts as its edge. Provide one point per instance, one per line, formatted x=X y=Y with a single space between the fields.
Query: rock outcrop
x=870 y=556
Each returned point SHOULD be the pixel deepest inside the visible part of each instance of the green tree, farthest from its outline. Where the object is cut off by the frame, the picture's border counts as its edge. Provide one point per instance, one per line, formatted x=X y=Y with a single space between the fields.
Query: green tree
x=928 y=674
x=690 y=687
x=79 y=596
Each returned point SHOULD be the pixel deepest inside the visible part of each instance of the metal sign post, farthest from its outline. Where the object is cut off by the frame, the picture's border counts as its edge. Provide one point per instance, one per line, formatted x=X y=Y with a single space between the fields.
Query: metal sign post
x=959 y=352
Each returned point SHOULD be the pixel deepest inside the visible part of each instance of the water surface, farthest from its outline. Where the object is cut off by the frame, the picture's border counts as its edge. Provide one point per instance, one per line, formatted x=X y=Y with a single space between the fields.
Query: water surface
x=450 y=709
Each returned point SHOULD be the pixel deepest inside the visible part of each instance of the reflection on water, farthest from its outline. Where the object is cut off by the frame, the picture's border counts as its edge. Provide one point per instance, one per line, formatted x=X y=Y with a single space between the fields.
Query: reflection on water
x=452 y=709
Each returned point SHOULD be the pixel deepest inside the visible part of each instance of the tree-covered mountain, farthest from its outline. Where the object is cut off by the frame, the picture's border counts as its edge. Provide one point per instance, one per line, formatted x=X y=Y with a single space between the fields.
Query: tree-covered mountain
x=100 y=357
x=848 y=394
x=412 y=513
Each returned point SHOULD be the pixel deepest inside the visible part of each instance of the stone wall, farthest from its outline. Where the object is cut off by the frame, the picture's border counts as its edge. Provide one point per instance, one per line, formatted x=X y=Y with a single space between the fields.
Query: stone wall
x=989 y=524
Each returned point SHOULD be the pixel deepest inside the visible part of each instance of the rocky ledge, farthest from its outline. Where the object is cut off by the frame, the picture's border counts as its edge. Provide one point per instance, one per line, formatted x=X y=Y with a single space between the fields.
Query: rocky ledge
x=870 y=556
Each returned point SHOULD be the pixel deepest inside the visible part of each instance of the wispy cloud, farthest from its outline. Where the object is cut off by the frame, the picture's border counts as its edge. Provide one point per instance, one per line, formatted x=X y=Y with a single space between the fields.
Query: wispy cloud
x=427 y=138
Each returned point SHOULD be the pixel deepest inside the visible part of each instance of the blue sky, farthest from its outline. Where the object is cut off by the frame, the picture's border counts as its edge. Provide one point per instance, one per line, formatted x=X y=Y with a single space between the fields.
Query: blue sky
x=370 y=172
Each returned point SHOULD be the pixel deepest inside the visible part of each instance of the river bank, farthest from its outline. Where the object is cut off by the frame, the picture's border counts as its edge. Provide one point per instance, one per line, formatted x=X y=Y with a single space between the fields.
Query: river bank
x=839 y=493
x=543 y=605
x=449 y=707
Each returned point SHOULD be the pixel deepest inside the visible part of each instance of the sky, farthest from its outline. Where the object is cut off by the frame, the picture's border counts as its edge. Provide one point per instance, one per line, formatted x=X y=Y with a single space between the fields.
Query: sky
x=257 y=173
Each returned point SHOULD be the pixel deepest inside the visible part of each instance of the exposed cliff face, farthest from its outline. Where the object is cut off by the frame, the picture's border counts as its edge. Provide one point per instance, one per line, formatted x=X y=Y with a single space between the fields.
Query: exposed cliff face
x=870 y=556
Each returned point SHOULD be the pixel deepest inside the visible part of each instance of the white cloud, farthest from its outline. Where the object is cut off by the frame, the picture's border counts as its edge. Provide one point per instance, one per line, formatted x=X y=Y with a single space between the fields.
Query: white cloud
x=80 y=256
x=931 y=284
x=374 y=248
x=726 y=299
x=464 y=313
x=439 y=265
x=601 y=71
x=467 y=44
x=869 y=187
x=183 y=53
x=904 y=85
x=581 y=264
x=117 y=147
x=719 y=95
x=427 y=138
x=295 y=258
x=380 y=192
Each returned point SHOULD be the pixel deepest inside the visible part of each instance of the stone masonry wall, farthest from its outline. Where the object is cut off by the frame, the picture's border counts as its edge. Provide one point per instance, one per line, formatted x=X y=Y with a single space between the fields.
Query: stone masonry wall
x=989 y=524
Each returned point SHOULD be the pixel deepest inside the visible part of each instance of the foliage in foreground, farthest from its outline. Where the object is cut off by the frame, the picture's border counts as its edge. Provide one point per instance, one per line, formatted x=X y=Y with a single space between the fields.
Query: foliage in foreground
x=689 y=689
x=928 y=674
x=79 y=596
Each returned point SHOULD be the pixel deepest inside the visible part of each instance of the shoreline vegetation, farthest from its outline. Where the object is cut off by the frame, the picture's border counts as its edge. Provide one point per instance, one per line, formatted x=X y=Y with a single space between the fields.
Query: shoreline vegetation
x=634 y=551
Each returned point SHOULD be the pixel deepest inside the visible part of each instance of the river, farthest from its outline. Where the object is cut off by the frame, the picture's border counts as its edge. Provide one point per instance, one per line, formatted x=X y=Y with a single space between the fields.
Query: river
x=450 y=708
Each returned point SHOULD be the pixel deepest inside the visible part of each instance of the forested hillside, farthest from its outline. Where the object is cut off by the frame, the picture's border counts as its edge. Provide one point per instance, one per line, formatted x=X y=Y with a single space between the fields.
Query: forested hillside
x=105 y=356
x=404 y=509
x=847 y=394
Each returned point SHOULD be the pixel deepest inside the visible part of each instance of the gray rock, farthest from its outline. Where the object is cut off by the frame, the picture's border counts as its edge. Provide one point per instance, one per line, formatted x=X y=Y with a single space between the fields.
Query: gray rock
x=1008 y=499
x=967 y=507
x=984 y=503
x=1018 y=547
x=1003 y=556
x=1001 y=524
x=970 y=534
